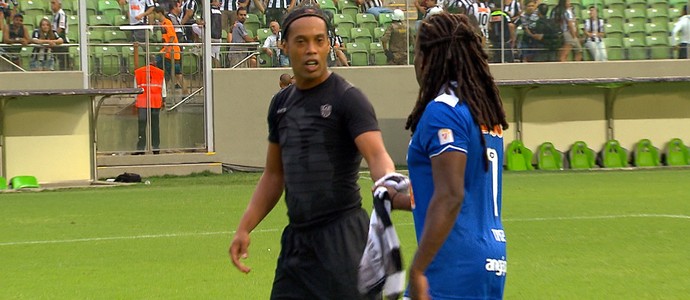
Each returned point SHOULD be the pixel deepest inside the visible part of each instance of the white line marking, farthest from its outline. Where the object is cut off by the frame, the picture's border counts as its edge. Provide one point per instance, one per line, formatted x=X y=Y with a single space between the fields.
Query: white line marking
x=154 y=236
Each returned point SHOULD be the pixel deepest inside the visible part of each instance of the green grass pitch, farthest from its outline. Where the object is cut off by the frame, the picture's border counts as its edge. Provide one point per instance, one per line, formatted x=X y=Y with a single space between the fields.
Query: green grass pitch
x=571 y=235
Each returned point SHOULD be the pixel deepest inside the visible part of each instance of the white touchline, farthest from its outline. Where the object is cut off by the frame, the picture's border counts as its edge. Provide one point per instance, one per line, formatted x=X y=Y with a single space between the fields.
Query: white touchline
x=185 y=234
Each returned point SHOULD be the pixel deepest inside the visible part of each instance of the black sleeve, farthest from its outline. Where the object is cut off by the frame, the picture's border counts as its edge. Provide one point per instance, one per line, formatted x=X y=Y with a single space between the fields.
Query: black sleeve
x=277 y=101
x=359 y=113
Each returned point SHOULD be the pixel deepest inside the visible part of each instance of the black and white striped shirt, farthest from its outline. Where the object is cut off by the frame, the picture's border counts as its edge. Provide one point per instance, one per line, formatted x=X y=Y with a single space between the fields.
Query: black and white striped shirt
x=513 y=9
x=231 y=5
x=190 y=5
x=277 y=3
x=60 y=22
x=594 y=27
x=371 y=3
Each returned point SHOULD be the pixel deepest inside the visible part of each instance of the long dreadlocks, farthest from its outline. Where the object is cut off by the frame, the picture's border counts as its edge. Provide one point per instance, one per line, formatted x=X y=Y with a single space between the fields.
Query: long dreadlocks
x=453 y=57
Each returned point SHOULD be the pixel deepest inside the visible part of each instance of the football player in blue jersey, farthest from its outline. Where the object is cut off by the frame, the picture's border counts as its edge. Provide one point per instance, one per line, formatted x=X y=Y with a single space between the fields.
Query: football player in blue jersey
x=455 y=159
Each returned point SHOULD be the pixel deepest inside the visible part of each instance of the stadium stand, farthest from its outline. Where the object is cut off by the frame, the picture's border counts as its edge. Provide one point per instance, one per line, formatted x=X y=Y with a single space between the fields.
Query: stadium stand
x=377 y=55
x=359 y=56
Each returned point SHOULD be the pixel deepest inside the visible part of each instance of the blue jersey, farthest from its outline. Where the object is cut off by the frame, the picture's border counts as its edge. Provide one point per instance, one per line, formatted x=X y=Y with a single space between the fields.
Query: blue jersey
x=472 y=261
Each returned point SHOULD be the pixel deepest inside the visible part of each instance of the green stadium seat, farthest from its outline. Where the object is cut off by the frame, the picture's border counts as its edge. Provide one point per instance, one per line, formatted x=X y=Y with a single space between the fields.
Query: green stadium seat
x=263 y=34
x=587 y=3
x=637 y=48
x=518 y=157
x=3 y=183
x=613 y=155
x=34 y=7
x=658 y=4
x=96 y=36
x=377 y=55
x=618 y=5
x=344 y=22
x=190 y=61
x=349 y=7
x=657 y=15
x=636 y=4
x=91 y=7
x=328 y=5
x=612 y=16
x=74 y=57
x=107 y=59
x=659 y=47
x=676 y=153
x=385 y=19
x=674 y=14
x=548 y=158
x=635 y=29
x=651 y=28
x=120 y=20
x=128 y=55
x=359 y=56
x=645 y=154
x=345 y=35
x=378 y=33
x=115 y=36
x=632 y=14
x=581 y=157
x=677 y=3
x=24 y=182
x=361 y=36
x=100 y=21
x=252 y=24
x=366 y=21
x=614 y=31
x=109 y=8
x=68 y=7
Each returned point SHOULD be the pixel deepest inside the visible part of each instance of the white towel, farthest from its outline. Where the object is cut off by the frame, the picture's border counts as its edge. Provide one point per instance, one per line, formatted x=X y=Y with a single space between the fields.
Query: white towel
x=381 y=266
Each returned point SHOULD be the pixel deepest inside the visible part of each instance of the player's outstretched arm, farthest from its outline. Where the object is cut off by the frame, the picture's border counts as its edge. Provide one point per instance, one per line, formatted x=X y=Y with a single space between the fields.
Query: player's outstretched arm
x=265 y=197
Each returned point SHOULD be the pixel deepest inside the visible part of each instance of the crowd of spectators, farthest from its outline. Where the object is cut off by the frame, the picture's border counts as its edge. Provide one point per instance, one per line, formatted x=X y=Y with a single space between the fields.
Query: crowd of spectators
x=513 y=30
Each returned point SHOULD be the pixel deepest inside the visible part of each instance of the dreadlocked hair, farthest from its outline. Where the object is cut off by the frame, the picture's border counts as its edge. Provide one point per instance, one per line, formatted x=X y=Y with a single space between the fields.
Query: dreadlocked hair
x=453 y=58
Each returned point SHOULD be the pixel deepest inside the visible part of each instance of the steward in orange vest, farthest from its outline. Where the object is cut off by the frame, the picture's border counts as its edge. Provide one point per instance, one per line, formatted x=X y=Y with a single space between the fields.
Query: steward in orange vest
x=155 y=84
x=152 y=80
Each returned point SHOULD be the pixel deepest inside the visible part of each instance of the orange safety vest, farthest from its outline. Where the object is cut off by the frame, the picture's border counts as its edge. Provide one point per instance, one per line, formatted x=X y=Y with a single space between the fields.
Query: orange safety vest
x=155 y=85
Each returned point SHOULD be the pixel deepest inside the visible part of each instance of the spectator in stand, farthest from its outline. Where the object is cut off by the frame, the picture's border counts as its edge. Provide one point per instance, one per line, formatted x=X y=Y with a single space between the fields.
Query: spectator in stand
x=528 y=21
x=175 y=16
x=501 y=36
x=285 y=80
x=374 y=7
x=683 y=27
x=7 y=12
x=172 y=53
x=562 y=13
x=189 y=10
x=594 y=29
x=15 y=33
x=240 y=35
x=42 y=56
x=479 y=13
x=543 y=35
x=216 y=31
x=152 y=80
x=336 y=57
x=395 y=40
x=60 y=26
x=273 y=46
x=138 y=12
x=276 y=9
x=513 y=9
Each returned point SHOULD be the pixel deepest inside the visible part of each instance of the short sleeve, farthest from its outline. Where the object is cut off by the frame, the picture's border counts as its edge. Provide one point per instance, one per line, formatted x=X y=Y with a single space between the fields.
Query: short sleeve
x=359 y=113
x=444 y=129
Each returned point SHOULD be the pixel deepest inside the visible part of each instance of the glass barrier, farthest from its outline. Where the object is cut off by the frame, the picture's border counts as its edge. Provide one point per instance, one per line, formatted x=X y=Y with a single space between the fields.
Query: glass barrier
x=125 y=123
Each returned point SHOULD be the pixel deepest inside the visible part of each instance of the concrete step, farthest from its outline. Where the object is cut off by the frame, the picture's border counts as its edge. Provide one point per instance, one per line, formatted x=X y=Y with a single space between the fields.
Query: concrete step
x=109 y=166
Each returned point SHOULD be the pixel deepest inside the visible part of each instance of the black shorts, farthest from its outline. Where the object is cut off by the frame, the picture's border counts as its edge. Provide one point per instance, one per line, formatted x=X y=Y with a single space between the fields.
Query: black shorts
x=322 y=263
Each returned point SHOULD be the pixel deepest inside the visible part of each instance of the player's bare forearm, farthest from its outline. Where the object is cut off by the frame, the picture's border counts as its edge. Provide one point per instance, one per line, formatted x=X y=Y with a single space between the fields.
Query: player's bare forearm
x=370 y=145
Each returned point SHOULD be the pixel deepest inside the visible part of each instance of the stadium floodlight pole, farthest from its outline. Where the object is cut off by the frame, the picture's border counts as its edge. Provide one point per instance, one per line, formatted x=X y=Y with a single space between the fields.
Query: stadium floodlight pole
x=208 y=79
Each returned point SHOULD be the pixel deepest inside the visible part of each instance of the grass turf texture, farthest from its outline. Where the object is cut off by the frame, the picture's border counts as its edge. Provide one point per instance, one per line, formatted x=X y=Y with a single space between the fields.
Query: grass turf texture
x=571 y=235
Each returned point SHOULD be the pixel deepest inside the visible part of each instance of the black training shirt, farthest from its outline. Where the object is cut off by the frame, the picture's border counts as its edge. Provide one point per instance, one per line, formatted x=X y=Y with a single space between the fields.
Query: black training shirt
x=316 y=129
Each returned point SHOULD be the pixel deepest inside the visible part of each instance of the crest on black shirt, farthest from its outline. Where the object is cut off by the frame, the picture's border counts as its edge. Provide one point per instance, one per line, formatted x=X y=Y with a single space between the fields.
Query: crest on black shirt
x=326 y=110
